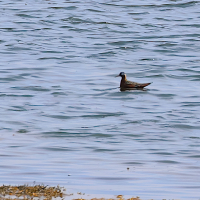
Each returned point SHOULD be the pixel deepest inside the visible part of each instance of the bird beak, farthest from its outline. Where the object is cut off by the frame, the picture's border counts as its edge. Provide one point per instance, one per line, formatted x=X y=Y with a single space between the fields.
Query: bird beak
x=117 y=76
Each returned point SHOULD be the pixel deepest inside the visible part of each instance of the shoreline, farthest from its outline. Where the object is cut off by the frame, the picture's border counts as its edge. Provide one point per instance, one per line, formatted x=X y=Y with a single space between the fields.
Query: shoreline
x=28 y=192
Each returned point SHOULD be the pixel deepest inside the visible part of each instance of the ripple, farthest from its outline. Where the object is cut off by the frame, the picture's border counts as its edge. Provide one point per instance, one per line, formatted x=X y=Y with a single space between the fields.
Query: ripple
x=32 y=88
x=59 y=116
x=102 y=115
x=65 y=8
x=168 y=161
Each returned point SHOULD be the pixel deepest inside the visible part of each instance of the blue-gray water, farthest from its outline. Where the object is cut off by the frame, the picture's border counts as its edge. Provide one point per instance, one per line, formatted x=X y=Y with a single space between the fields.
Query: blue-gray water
x=63 y=119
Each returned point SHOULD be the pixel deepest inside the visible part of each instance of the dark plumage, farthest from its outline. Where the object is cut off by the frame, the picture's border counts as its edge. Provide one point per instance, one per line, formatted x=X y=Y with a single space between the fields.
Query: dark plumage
x=125 y=84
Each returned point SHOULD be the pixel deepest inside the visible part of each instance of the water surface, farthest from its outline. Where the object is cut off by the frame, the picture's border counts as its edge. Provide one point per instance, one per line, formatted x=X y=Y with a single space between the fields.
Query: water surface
x=63 y=118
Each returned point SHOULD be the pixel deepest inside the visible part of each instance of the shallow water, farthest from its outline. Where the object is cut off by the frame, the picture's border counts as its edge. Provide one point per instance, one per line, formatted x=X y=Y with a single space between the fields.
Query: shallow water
x=63 y=118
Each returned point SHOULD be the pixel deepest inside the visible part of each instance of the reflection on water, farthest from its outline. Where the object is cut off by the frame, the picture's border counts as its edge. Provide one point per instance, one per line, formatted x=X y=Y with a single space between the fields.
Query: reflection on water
x=63 y=117
x=129 y=89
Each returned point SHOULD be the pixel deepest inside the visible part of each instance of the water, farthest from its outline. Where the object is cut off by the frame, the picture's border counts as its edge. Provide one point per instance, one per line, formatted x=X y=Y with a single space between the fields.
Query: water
x=63 y=118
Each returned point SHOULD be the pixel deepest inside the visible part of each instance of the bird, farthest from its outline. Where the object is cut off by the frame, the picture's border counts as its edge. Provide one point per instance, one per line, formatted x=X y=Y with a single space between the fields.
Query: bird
x=127 y=85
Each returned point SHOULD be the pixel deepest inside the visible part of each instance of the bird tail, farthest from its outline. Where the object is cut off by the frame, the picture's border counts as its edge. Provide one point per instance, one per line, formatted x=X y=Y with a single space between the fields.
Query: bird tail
x=142 y=85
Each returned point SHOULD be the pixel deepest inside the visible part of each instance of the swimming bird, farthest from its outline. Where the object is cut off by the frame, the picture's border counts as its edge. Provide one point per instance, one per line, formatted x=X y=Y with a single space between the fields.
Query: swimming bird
x=125 y=84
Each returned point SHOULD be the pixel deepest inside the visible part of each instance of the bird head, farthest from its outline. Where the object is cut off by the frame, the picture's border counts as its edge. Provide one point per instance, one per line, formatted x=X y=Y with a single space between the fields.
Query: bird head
x=121 y=74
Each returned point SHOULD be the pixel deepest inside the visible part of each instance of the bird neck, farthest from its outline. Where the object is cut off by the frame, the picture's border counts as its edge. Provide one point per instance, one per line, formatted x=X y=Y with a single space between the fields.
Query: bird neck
x=124 y=77
x=123 y=81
